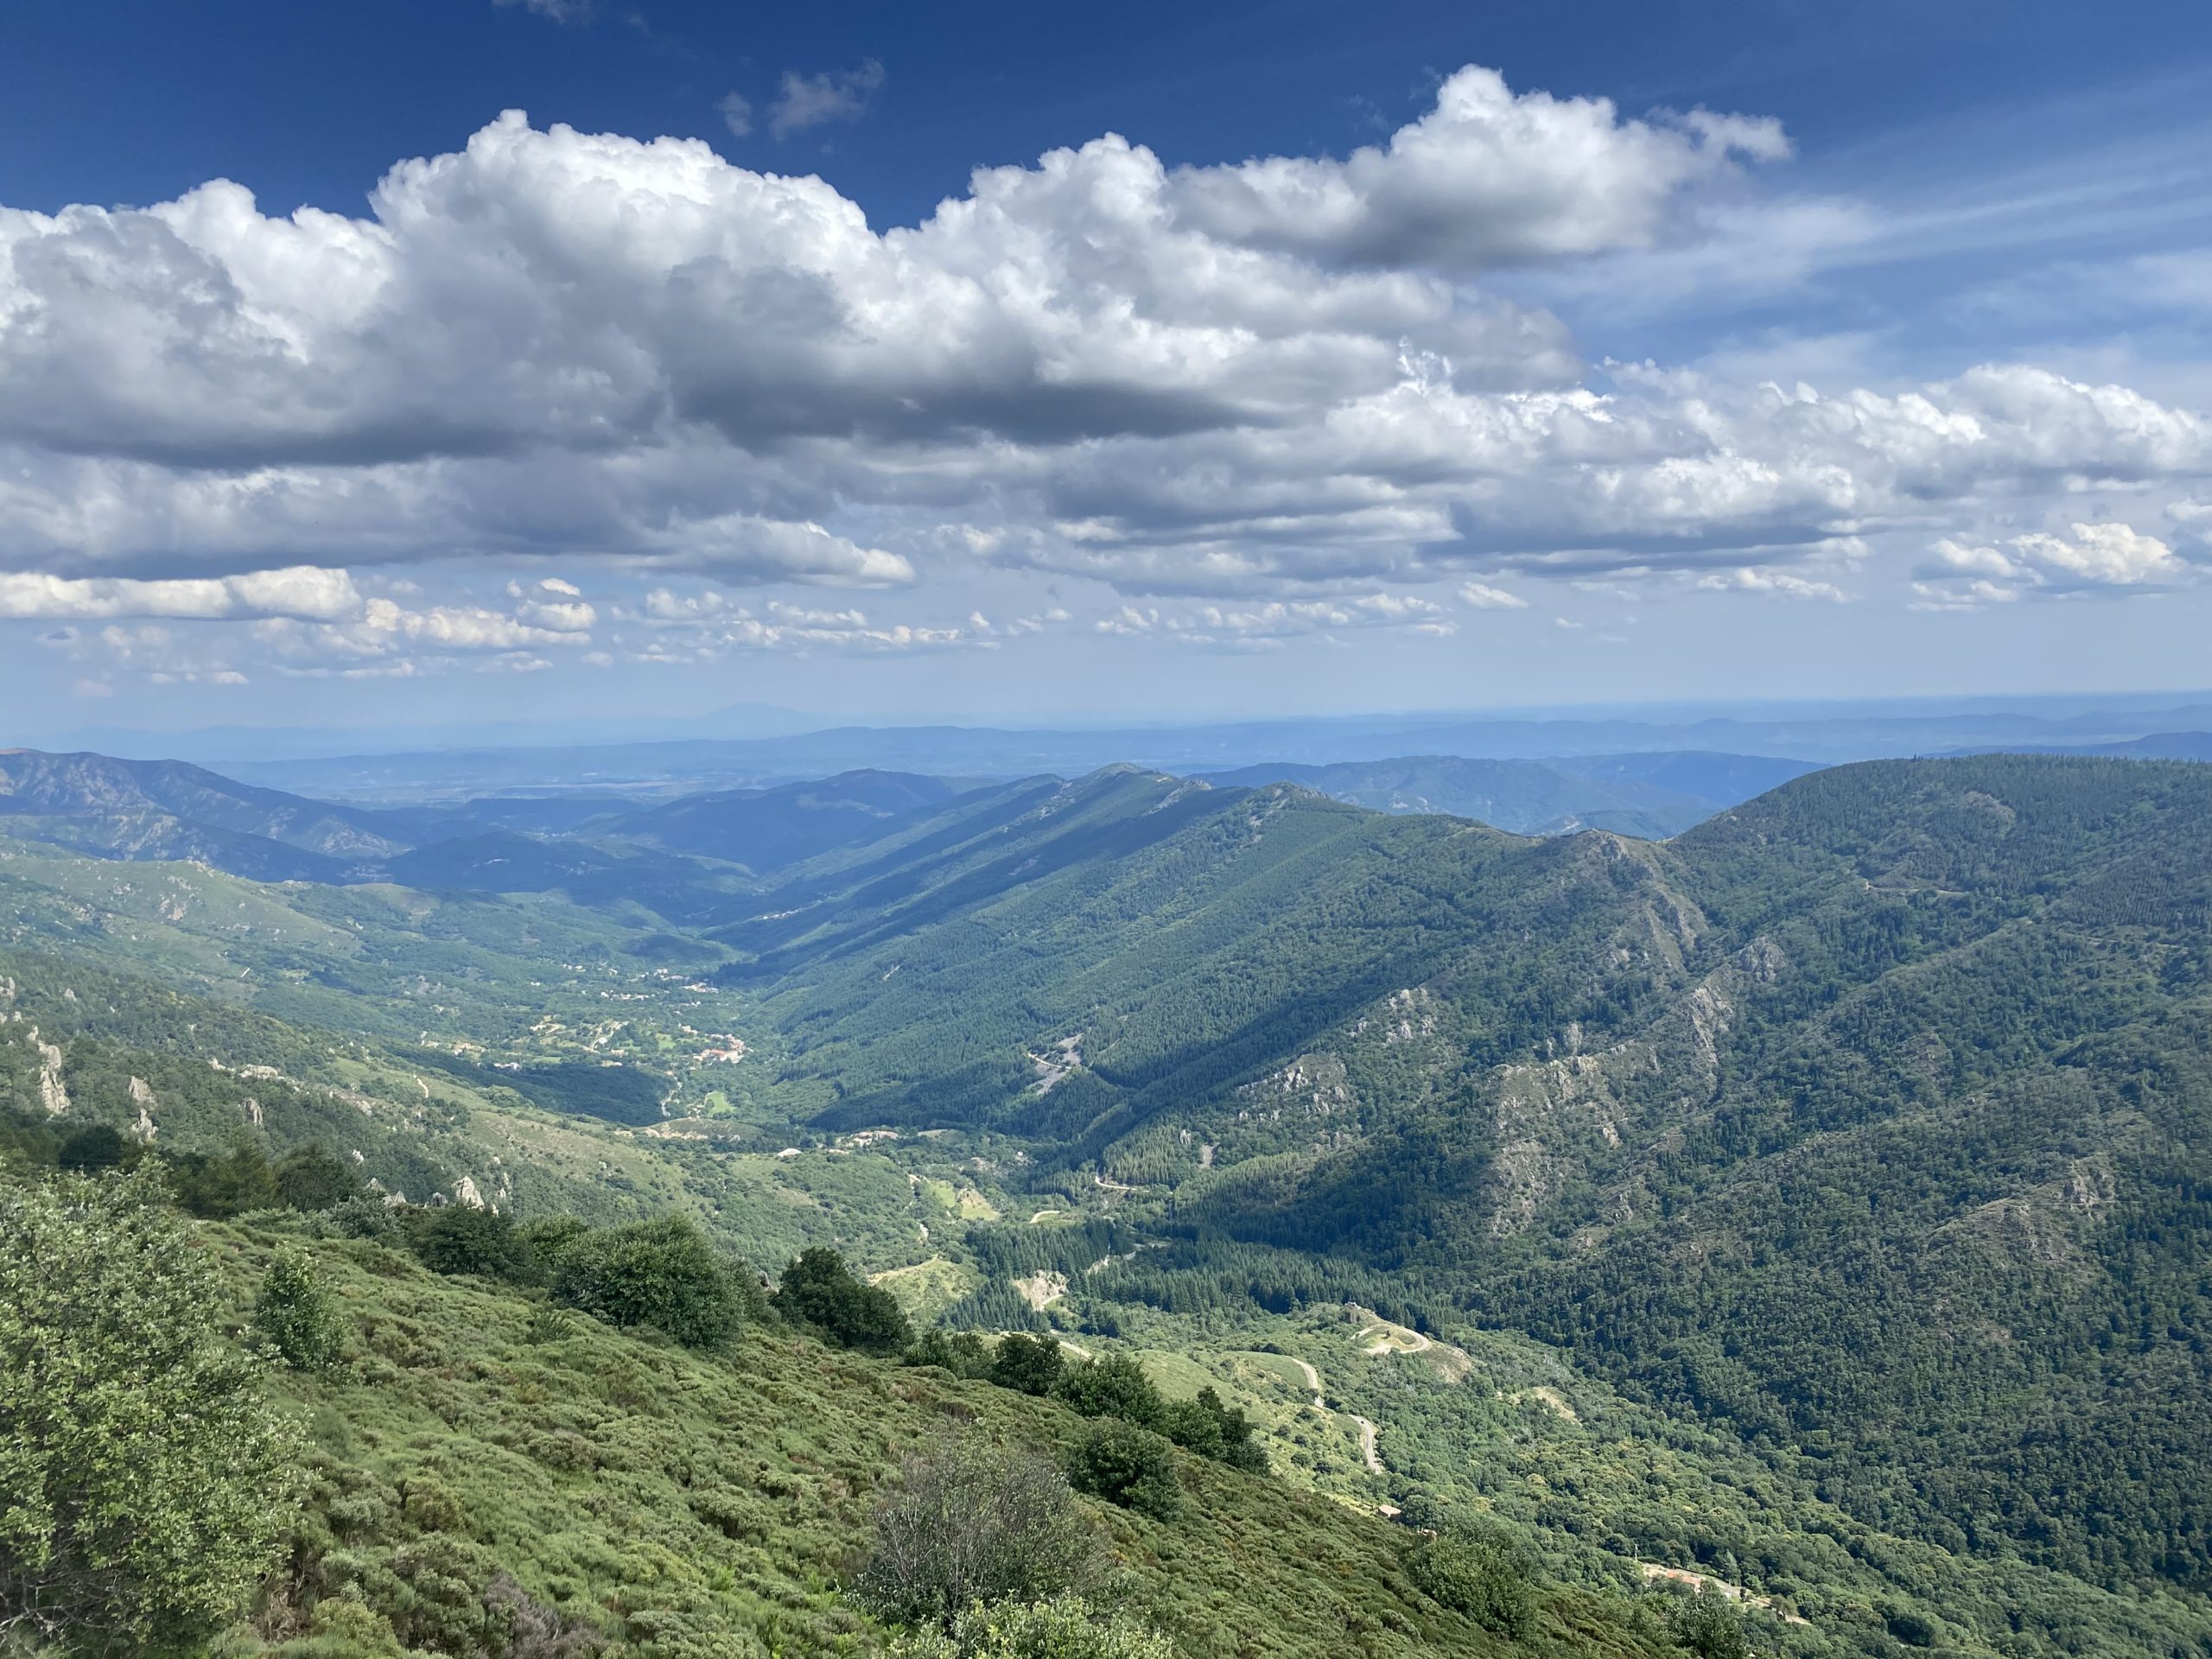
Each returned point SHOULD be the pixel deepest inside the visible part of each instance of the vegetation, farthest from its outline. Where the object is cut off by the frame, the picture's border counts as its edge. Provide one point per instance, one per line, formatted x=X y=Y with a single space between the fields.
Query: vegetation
x=974 y=1523
x=296 y=1313
x=1128 y=1465
x=818 y=1289
x=1066 y=1627
x=1480 y=1572
x=144 y=1475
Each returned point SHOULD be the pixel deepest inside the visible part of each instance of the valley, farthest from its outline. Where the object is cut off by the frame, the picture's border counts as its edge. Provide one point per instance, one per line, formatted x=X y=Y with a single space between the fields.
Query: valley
x=1798 y=1204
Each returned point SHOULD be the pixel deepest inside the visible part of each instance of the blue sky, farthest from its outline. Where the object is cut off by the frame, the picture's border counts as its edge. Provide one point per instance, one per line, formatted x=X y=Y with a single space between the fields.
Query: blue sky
x=1388 y=357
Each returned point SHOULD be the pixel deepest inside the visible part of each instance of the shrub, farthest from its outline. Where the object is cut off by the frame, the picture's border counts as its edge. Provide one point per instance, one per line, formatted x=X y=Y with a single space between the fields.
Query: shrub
x=961 y=1352
x=1027 y=1365
x=315 y=1178
x=219 y=1188
x=1480 y=1572
x=1066 y=1627
x=1113 y=1387
x=661 y=1272
x=147 y=1483
x=1707 y=1625
x=1211 y=1429
x=455 y=1239
x=976 y=1523
x=1128 y=1465
x=818 y=1289
x=96 y=1146
x=296 y=1312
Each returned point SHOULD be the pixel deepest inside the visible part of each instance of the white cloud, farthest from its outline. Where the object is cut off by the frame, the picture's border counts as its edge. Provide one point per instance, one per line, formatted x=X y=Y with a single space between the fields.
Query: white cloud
x=736 y=111
x=815 y=100
x=1285 y=383
x=2109 y=557
x=303 y=591
x=1483 y=597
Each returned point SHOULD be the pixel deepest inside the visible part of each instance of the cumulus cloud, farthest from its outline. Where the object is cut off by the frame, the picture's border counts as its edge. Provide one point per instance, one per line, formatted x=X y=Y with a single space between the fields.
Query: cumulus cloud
x=806 y=101
x=1277 y=388
x=2109 y=557
x=1271 y=624
x=303 y=592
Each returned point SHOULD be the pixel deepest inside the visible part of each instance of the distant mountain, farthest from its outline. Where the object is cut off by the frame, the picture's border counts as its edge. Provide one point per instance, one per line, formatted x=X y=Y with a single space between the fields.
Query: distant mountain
x=1649 y=796
x=769 y=829
x=141 y=810
x=1824 y=733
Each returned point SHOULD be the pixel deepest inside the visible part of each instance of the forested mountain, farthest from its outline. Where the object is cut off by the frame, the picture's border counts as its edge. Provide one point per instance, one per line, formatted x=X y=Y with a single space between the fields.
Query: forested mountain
x=1816 y=1200
x=165 y=809
x=1649 y=796
x=768 y=830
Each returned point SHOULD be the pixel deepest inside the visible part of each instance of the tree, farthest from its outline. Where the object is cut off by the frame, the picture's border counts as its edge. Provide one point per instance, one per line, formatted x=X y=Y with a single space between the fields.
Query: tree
x=1128 y=1465
x=221 y=1187
x=145 y=1483
x=663 y=1273
x=1114 y=1387
x=457 y=1238
x=96 y=1146
x=961 y=1352
x=1205 y=1425
x=1706 y=1625
x=976 y=1523
x=1027 y=1365
x=312 y=1177
x=296 y=1312
x=818 y=1289
x=1066 y=1627
x=1480 y=1572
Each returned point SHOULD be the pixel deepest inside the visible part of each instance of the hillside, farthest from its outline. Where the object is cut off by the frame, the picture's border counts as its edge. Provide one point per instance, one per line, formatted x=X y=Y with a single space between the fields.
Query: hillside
x=165 y=809
x=1810 y=1197
x=1648 y=796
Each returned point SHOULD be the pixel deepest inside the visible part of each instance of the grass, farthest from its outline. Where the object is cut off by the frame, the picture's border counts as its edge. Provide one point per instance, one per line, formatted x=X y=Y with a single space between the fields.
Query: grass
x=689 y=1505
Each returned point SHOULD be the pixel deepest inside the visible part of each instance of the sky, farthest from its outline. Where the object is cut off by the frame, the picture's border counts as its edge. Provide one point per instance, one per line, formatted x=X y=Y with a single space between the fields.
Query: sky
x=460 y=361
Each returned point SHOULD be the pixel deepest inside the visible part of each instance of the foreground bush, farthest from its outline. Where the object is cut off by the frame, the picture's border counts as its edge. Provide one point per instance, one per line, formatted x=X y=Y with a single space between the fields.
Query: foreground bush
x=1027 y=1365
x=662 y=1273
x=144 y=1482
x=1128 y=1465
x=1114 y=1387
x=1211 y=1429
x=1707 y=1626
x=819 y=1290
x=296 y=1312
x=1479 y=1571
x=1066 y=1627
x=976 y=1523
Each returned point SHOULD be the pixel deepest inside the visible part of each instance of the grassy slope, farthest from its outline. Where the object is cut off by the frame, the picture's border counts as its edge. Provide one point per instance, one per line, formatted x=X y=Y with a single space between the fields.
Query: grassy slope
x=696 y=1505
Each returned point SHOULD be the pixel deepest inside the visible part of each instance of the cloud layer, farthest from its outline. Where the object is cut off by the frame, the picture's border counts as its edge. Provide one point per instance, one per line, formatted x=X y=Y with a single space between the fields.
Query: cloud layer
x=1275 y=394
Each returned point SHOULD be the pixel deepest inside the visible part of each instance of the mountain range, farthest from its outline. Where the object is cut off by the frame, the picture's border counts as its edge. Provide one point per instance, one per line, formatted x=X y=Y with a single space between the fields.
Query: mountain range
x=1812 y=1200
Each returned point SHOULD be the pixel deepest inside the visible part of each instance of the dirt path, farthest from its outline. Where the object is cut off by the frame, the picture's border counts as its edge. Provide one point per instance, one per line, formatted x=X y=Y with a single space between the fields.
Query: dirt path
x=1368 y=1431
x=1367 y=1452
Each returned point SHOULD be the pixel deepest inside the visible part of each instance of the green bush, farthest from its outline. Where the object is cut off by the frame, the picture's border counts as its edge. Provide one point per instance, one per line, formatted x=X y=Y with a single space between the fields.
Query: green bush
x=818 y=1289
x=218 y=1188
x=1027 y=1365
x=96 y=1146
x=1480 y=1572
x=1066 y=1627
x=296 y=1312
x=662 y=1273
x=145 y=1484
x=455 y=1238
x=1211 y=1429
x=312 y=1177
x=976 y=1523
x=1707 y=1625
x=961 y=1352
x=1128 y=1465
x=1114 y=1387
